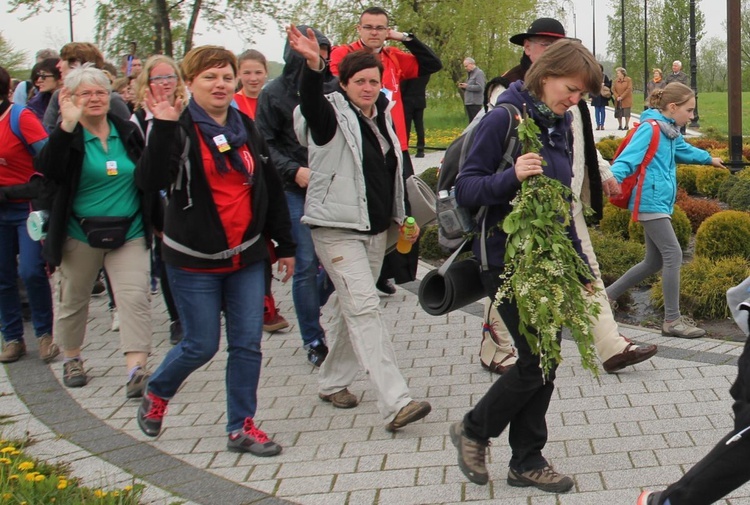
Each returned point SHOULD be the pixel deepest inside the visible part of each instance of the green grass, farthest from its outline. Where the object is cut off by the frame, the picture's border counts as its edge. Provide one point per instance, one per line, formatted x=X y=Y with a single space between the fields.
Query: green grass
x=713 y=110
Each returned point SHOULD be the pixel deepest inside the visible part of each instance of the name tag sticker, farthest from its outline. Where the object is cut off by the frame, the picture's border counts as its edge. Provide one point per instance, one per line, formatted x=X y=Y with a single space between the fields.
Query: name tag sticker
x=111 y=168
x=221 y=143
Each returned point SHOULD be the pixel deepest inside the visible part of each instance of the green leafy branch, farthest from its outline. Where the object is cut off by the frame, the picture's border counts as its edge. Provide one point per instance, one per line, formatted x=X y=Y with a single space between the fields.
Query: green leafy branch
x=543 y=270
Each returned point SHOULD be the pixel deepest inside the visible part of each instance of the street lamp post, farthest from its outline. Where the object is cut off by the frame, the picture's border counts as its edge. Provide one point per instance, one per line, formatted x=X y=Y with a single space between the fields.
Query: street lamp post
x=593 y=27
x=70 y=18
x=622 y=31
x=693 y=65
x=645 y=54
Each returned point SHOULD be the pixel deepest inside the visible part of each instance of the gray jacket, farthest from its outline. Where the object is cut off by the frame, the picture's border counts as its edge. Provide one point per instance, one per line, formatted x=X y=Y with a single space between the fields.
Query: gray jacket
x=336 y=191
x=474 y=91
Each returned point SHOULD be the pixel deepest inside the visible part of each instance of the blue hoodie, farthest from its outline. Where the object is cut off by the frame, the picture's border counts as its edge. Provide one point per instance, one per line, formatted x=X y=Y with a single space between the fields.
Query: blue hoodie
x=660 y=185
x=477 y=184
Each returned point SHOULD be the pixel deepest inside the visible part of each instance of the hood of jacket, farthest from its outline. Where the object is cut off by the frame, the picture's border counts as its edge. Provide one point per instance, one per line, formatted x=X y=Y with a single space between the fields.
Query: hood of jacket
x=293 y=61
x=655 y=114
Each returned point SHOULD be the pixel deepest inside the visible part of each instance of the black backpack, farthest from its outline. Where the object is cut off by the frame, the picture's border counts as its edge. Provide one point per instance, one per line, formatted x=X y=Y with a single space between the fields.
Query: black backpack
x=456 y=222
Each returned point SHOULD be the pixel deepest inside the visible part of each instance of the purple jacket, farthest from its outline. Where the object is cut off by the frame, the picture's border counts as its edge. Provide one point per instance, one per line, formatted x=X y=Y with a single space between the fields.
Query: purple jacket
x=478 y=184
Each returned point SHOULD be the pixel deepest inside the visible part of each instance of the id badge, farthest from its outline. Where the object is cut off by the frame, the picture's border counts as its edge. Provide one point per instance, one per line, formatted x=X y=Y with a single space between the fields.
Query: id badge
x=221 y=143
x=111 y=168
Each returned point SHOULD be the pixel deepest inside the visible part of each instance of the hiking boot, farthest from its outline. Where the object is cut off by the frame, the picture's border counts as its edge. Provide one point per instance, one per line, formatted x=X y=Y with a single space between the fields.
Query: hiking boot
x=413 y=411
x=74 y=376
x=316 y=352
x=137 y=383
x=253 y=440
x=115 y=319
x=341 y=399
x=648 y=498
x=386 y=286
x=48 y=350
x=274 y=322
x=471 y=455
x=175 y=332
x=151 y=414
x=683 y=327
x=12 y=351
x=546 y=479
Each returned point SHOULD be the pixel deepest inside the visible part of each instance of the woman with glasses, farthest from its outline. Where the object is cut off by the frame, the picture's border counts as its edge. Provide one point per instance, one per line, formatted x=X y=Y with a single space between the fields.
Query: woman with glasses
x=19 y=185
x=99 y=218
x=47 y=79
x=159 y=75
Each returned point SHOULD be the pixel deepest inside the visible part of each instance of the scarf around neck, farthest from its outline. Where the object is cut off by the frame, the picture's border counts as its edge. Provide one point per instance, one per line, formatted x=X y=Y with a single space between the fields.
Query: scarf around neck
x=234 y=131
x=546 y=116
x=668 y=128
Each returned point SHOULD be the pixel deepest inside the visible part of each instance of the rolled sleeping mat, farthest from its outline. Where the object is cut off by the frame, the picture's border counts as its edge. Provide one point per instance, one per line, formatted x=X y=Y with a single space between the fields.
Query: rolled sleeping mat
x=460 y=286
x=422 y=200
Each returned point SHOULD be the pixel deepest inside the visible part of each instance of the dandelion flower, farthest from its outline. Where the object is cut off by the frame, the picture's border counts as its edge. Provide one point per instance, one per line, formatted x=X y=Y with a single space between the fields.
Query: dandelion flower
x=39 y=478
x=7 y=449
x=5 y=461
x=26 y=465
x=62 y=484
x=127 y=488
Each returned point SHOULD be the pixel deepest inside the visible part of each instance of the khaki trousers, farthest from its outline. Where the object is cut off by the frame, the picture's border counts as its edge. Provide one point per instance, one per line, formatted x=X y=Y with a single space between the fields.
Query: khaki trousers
x=358 y=337
x=128 y=271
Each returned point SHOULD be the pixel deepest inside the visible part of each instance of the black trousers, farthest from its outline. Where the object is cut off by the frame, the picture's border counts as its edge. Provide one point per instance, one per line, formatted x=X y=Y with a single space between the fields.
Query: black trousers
x=415 y=114
x=518 y=399
x=472 y=110
x=725 y=467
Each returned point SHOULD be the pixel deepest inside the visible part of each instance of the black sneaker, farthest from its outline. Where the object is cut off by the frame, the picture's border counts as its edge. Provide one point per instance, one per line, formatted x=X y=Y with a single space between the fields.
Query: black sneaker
x=151 y=414
x=386 y=286
x=175 y=332
x=316 y=353
x=253 y=440
x=74 y=376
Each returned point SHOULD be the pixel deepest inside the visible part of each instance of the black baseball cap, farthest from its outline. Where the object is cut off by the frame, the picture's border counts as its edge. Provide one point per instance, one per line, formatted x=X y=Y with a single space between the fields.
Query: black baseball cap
x=542 y=27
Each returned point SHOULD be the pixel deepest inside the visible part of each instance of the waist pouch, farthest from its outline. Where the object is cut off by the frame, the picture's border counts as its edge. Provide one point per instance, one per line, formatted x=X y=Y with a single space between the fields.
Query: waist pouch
x=106 y=232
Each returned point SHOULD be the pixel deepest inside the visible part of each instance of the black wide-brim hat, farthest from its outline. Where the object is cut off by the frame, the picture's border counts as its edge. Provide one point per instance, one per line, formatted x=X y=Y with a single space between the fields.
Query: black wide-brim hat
x=542 y=27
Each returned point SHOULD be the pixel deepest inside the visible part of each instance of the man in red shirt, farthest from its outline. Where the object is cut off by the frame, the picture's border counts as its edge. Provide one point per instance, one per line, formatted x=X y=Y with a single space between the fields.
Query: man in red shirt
x=374 y=30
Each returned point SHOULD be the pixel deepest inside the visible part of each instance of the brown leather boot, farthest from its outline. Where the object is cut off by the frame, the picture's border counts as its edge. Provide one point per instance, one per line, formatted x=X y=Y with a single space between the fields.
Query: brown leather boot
x=12 y=351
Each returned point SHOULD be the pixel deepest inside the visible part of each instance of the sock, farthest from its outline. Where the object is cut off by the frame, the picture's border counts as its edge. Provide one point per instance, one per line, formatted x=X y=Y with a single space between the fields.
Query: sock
x=132 y=371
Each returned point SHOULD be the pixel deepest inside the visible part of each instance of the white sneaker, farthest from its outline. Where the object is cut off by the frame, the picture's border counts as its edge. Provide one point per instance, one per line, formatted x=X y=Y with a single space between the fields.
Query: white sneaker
x=115 y=320
x=683 y=327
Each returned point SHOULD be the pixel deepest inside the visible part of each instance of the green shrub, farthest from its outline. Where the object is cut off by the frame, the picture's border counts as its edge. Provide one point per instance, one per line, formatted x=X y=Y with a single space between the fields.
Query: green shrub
x=680 y=224
x=703 y=286
x=686 y=175
x=738 y=197
x=615 y=221
x=709 y=180
x=607 y=146
x=698 y=210
x=725 y=188
x=429 y=248
x=430 y=177
x=724 y=234
x=744 y=173
x=616 y=255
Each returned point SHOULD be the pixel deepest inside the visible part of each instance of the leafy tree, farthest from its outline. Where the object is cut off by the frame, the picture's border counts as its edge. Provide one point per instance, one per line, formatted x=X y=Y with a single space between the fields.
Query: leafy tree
x=712 y=65
x=11 y=60
x=671 y=33
x=167 y=27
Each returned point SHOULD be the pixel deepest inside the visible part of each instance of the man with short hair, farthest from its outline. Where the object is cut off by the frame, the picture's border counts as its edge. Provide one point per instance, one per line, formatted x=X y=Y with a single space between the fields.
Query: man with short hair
x=677 y=74
x=473 y=88
x=374 y=31
x=589 y=169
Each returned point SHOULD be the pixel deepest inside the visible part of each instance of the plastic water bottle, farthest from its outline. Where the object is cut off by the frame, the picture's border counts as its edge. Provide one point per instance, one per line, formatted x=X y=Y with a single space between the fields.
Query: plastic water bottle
x=408 y=231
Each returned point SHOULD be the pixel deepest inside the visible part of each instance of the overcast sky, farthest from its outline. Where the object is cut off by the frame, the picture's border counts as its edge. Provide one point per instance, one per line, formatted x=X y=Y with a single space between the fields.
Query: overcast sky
x=52 y=30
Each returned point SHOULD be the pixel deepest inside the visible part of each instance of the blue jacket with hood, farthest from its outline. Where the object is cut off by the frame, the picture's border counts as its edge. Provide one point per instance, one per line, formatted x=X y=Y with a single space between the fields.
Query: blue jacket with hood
x=477 y=183
x=660 y=185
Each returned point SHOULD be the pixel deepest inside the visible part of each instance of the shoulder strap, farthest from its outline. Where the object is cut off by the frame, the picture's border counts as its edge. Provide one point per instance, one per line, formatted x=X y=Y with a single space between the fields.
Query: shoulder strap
x=15 y=126
x=653 y=145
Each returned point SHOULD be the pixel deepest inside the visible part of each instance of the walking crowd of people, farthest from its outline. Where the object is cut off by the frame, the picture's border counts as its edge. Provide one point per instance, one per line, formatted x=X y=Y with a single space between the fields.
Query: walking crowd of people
x=198 y=176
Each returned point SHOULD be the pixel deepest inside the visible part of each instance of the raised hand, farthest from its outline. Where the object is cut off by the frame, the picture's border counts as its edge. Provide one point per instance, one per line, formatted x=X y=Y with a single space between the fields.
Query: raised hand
x=158 y=103
x=70 y=112
x=305 y=44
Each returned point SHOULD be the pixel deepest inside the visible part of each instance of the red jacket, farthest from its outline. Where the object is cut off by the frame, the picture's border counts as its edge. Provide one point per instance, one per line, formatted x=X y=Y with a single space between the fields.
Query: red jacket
x=397 y=66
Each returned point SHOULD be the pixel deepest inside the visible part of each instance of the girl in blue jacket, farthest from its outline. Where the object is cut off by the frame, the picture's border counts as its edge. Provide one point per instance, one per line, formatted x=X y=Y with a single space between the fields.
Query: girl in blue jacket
x=672 y=108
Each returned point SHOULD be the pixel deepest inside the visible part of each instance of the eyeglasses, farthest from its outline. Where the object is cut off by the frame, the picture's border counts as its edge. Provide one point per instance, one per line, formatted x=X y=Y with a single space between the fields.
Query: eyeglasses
x=163 y=79
x=89 y=94
x=370 y=28
x=43 y=76
x=543 y=43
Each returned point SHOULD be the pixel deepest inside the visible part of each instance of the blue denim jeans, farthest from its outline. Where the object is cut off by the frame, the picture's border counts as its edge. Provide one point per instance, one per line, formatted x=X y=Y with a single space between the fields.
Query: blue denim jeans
x=15 y=240
x=311 y=286
x=600 y=114
x=200 y=298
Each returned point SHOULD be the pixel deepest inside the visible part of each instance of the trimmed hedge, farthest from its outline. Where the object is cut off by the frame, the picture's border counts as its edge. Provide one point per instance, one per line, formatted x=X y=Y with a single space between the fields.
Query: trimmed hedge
x=723 y=235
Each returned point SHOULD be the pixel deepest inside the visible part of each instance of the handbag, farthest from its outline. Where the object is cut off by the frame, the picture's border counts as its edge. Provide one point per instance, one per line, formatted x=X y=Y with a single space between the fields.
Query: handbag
x=106 y=232
x=605 y=92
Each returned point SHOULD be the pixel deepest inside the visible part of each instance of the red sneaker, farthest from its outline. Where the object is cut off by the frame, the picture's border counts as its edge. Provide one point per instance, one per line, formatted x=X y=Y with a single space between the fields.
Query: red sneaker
x=253 y=440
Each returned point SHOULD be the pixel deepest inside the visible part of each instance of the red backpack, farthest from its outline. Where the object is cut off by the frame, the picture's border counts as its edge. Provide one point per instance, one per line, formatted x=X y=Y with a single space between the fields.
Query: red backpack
x=636 y=178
